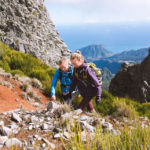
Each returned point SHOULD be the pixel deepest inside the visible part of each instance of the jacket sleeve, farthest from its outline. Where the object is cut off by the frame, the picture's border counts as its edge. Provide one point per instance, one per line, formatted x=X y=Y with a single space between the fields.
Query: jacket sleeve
x=74 y=83
x=54 y=82
x=94 y=80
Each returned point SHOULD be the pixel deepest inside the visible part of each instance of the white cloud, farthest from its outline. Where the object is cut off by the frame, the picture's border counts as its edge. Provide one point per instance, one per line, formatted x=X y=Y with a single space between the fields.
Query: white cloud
x=93 y=11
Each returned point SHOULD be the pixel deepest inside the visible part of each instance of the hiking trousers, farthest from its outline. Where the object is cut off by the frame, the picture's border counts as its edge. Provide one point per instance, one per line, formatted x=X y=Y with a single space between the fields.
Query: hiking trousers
x=67 y=99
x=87 y=102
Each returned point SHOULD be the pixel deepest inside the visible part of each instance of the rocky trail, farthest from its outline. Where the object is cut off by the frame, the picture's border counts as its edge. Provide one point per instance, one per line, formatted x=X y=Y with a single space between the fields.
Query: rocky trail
x=29 y=120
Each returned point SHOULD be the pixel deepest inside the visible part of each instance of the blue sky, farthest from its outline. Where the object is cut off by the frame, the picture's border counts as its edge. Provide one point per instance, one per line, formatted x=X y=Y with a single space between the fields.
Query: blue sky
x=68 y=15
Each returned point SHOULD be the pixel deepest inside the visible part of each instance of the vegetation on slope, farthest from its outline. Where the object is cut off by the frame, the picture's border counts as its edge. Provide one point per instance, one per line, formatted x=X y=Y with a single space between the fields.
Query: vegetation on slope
x=16 y=62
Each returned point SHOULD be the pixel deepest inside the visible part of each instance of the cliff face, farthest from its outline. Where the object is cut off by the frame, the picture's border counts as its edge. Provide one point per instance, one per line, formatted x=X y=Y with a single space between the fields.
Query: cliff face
x=133 y=81
x=25 y=25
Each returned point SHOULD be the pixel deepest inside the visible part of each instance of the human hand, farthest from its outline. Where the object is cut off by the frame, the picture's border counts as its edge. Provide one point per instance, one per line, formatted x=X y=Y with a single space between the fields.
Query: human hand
x=97 y=99
x=53 y=97
x=78 y=96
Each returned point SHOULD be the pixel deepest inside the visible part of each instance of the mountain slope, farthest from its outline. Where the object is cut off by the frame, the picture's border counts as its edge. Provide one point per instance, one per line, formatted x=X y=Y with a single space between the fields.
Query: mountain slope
x=133 y=56
x=95 y=52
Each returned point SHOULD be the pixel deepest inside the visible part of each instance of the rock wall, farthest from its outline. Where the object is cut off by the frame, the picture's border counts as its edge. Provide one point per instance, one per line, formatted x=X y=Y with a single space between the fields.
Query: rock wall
x=25 y=25
x=133 y=81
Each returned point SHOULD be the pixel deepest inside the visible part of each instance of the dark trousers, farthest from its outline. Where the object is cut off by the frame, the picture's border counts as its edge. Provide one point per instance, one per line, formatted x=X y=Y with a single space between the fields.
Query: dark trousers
x=67 y=99
x=86 y=102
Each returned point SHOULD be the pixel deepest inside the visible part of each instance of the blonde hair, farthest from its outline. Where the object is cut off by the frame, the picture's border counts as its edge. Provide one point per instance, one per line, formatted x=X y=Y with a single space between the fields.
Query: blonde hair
x=62 y=60
x=77 y=54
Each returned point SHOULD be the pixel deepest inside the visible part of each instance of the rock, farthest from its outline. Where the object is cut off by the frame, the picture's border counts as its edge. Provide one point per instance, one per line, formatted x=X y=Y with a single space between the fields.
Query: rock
x=30 y=127
x=26 y=26
x=78 y=111
x=83 y=135
x=107 y=125
x=15 y=128
x=75 y=117
x=13 y=142
x=66 y=116
x=36 y=104
x=44 y=126
x=1 y=123
x=67 y=135
x=16 y=117
x=51 y=145
x=83 y=118
x=57 y=130
x=43 y=145
x=133 y=81
x=34 y=119
x=87 y=126
x=3 y=139
x=52 y=106
x=5 y=131
x=58 y=135
x=27 y=117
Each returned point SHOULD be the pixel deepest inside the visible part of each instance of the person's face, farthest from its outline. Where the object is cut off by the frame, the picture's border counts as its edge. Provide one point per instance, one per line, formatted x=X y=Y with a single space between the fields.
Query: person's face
x=76 y=63
x=64 y=66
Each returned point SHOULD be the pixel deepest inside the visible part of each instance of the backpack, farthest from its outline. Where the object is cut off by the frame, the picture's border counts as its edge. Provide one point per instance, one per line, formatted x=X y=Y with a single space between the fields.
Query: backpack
x=95 y=69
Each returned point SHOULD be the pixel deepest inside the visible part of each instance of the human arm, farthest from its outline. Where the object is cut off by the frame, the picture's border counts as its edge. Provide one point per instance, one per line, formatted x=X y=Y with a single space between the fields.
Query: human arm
x=92 y=78
x=74 y=83
x=53 y=84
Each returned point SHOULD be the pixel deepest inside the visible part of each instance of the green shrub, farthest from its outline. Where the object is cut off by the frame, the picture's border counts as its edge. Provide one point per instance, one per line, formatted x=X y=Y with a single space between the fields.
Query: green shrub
x=13 y=72
x=107 y=105
x=25 y=64
x=5 y=66
x=40 y=74
x=124 y=110
x=144 y=109
x=76 y=101
x=46 y=87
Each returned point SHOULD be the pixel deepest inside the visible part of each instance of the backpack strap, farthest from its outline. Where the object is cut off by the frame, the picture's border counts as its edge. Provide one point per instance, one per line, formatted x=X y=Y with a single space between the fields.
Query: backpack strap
x=76 y=73
x=60 y=74
x=85 y=73
x=69 y=72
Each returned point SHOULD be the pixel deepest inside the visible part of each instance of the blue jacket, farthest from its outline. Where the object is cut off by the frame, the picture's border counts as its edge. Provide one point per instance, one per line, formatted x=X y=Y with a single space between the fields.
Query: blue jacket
x=65 y=80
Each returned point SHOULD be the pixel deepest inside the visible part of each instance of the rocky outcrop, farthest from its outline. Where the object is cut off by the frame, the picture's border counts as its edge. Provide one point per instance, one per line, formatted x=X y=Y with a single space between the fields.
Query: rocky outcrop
x=25 y=25
x=133 y=81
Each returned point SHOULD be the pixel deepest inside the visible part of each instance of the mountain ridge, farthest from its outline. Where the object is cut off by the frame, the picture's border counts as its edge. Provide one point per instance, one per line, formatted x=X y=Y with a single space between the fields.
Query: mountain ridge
x=100 y=57
x=95 y=52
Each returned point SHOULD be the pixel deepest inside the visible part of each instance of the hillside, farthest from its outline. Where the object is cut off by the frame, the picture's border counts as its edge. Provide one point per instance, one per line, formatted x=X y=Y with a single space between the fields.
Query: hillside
x=29 y=120
x=20 y=92
x=131 y=56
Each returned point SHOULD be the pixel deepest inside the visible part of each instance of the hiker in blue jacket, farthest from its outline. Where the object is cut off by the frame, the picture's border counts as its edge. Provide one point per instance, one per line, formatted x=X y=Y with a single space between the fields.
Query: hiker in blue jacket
x=64 y=74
